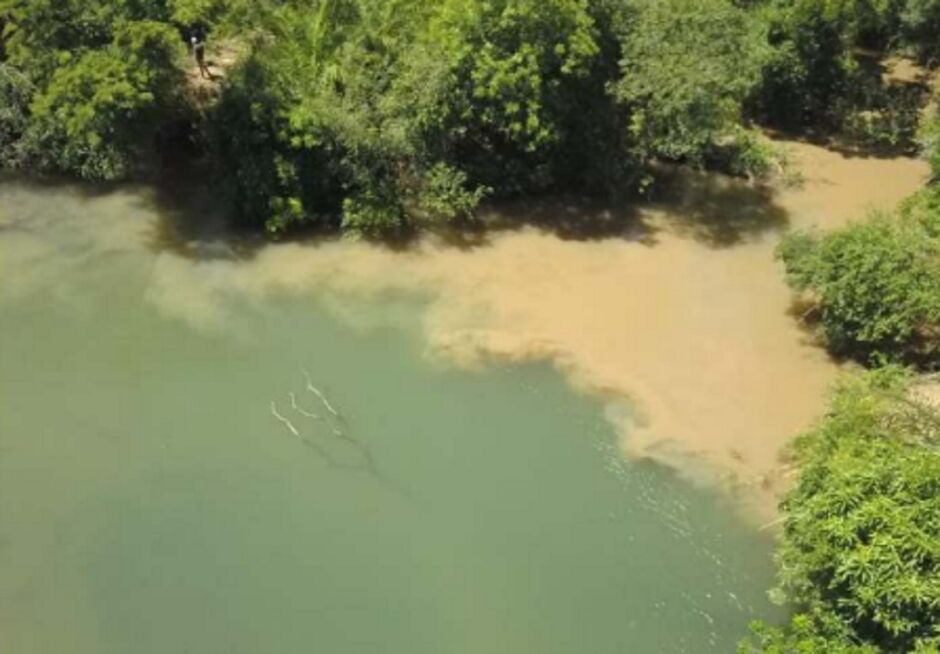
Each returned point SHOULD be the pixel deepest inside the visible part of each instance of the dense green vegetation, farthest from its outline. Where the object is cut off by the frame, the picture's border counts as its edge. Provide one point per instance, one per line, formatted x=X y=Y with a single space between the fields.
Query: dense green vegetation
x=409 y=112
x=874 y=286
x=381 y=116
x=860 y=552
x=86 y=86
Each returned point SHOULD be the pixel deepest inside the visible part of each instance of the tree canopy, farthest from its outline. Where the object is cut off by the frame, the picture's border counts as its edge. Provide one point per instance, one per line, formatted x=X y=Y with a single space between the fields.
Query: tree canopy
x=875 y=285
x=860 y=552
x=379 y=117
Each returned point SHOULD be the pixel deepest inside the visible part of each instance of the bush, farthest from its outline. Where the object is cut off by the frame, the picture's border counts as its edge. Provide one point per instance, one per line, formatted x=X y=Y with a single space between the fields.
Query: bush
x=369 y=114
x=883 y=117
x=746 y=153
x=445 y=194
x=860 y=552
x=16 y=93
x=100 y=77
x=372 y=215
x=98 y=109
x=875 y=286
x=809 y=66
x=375 y=112
x=928 y=138
x=686 y=68
x=920 y=25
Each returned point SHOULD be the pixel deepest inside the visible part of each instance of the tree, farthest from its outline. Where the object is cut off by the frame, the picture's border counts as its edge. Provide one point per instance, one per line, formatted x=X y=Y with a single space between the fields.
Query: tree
x=874 y=285
x=386 y=114
x=686 y=68
x=16 y=93
x=810 y=65
x=98 y=107
x=920 y=24
x=100 y=76
x=860 y=552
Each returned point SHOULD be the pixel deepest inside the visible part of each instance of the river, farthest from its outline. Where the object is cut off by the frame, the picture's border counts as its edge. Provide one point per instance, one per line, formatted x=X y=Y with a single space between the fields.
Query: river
x=343 y=448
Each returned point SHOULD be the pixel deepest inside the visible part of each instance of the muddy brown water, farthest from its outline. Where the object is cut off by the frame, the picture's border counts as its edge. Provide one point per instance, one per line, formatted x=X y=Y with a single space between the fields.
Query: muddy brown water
x=680 y=321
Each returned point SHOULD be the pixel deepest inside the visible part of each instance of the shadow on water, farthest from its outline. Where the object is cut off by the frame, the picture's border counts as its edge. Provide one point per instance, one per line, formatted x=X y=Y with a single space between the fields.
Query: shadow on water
x=569 y=217
x=712 y=209
x=716 y=210
x=886 y=106
x=195 y=221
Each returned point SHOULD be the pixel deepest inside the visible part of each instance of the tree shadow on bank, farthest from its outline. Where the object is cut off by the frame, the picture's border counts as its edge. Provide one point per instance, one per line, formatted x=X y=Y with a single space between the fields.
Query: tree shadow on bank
x=715 y=210
x=196 y=221
x=879 y=117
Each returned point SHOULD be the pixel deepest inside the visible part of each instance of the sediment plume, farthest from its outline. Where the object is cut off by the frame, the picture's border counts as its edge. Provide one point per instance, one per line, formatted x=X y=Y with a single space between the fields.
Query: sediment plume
x=674 y=314
x=680 y=322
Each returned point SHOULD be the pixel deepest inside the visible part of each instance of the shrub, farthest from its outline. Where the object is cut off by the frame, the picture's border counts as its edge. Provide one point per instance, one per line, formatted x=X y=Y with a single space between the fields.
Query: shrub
x=875 y=286
x=860 y=552
x=928 y=138
x=100 y=77
x=686 y=68
x=445 y=194
x=15 y=96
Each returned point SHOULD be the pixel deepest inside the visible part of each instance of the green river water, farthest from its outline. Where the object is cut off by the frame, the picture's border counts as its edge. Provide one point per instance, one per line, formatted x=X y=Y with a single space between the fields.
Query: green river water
x=152 y=503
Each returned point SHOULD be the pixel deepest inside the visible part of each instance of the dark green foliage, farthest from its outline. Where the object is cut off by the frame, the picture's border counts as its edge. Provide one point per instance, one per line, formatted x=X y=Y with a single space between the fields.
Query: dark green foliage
x=92 y=114
x=383 y=115
x=860 y=552
x=929 y=140
x=517 y=73
x=809 y=65
x=686 y=68
x=445 y=193
x=101 y=76
x=875 y=286
x=804 y=634
x=389 y=112
x=39 y=33
x=813 y=77
x=300 y=127
x=920 y=27
x=883 y=117
x=373 y=114
x=15 y=96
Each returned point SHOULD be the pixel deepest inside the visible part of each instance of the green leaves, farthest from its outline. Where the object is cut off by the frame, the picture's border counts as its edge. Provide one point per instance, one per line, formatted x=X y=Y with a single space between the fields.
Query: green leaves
x=929 y=140
x=875 y=286
x=16 y=93
x=99 y=74
x=390 y=114
x=686 y=68
x=860 y=552
x=446 y=196
x=418 y=108
x=94 y=108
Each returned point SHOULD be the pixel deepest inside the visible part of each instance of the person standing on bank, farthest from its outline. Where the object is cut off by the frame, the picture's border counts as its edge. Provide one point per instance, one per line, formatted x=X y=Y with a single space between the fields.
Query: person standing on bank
x=198 y=43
